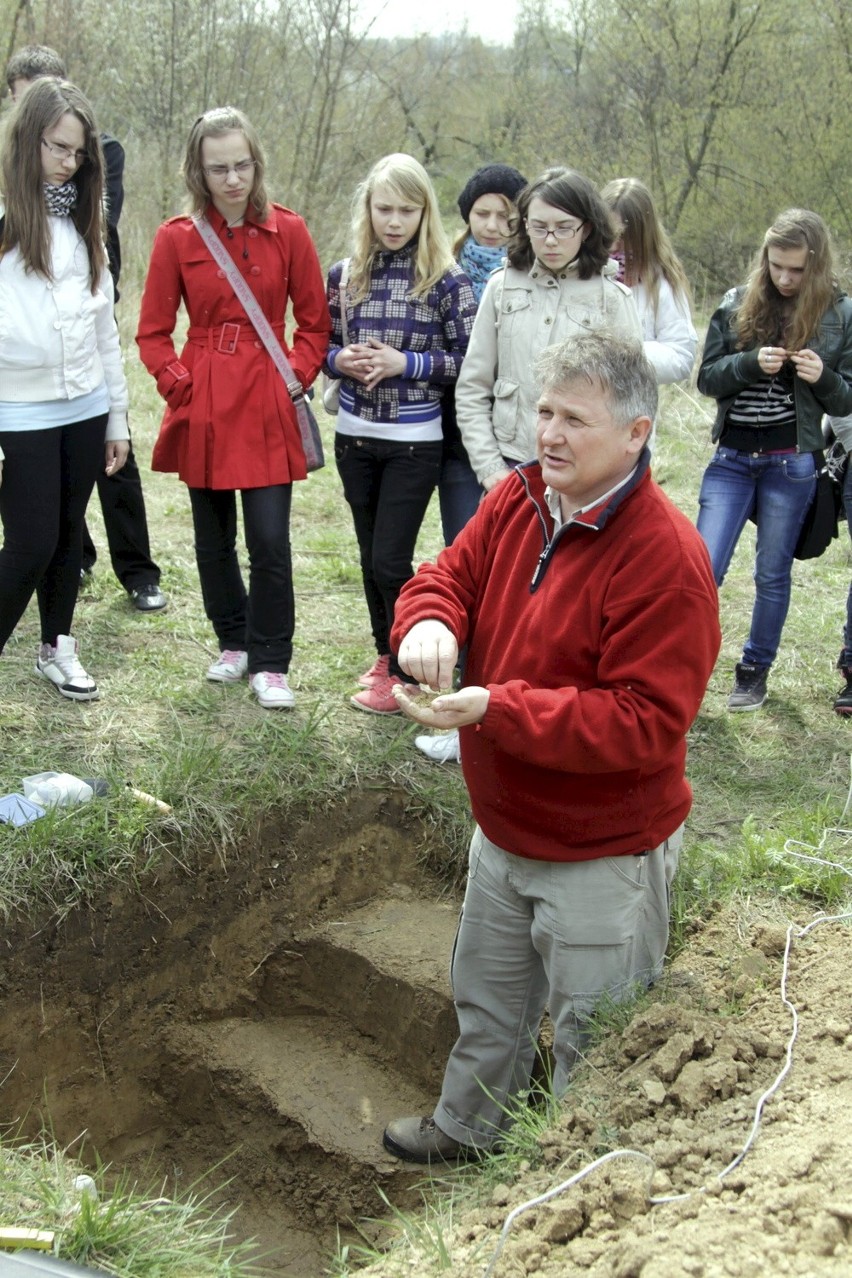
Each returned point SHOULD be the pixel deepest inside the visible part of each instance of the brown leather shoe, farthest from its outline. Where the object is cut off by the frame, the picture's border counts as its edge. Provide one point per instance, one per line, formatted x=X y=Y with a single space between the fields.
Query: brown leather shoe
x=420 y=1140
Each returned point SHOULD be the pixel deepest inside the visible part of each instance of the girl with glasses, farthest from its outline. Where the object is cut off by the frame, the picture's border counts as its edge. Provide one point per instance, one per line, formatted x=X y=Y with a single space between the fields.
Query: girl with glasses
x=230 y=423
x=63 y=396
x=409 y=311
x=648 y=264
x=558 y=281
x=778 y=355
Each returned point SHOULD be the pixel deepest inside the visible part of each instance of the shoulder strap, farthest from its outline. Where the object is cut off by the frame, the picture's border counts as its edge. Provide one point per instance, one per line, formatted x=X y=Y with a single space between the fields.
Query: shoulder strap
x=344 y=280
x=250 y=304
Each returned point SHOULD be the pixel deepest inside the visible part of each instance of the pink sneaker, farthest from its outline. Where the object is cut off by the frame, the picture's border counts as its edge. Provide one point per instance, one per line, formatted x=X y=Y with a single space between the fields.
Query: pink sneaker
x=229 y=667
x=380 y=699
x=378 y=670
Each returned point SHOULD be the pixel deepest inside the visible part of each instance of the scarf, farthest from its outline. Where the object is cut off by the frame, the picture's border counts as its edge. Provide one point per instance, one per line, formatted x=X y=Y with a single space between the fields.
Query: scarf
x=60 y=200
x=478 y=262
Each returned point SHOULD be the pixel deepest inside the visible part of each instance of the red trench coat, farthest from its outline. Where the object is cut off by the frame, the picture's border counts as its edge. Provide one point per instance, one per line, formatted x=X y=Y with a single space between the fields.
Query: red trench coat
x=230 y=422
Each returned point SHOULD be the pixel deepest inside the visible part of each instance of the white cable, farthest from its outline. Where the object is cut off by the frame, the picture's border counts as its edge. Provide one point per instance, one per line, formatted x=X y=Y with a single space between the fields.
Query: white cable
x=559 y=1189
x=770 y=1091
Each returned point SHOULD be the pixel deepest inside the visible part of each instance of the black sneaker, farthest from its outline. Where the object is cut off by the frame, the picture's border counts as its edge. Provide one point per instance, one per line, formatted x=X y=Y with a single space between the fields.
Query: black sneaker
x=843 y=700
x=148 y=598
x=749 y=691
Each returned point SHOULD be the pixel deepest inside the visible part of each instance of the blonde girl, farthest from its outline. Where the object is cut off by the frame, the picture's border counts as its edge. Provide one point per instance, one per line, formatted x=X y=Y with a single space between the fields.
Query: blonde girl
x=409 y=312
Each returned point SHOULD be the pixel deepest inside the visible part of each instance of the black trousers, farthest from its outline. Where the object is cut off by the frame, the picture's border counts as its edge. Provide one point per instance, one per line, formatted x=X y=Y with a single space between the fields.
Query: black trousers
x=126 y=523
x=48 y=477
x=388 y=486
x=259 y=621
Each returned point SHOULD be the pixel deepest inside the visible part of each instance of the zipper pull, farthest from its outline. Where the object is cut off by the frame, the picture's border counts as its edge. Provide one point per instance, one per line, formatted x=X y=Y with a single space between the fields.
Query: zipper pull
x=539 y=569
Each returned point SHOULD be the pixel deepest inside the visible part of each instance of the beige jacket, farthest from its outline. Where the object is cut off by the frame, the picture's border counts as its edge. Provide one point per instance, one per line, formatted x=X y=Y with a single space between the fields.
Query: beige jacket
x=520 y=314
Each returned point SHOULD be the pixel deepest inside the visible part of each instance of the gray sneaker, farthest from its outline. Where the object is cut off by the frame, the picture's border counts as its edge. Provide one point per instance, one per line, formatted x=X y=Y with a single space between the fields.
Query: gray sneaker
x=61 y=666
x=749 y=691
x=420 y=1140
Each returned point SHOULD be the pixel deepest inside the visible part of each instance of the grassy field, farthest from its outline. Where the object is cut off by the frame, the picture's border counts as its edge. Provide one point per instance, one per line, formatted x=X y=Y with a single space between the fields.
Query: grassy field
x=221 y=762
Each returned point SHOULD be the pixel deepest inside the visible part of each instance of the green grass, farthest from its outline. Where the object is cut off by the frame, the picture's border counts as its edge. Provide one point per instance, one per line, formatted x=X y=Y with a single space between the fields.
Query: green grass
x=127 y=1232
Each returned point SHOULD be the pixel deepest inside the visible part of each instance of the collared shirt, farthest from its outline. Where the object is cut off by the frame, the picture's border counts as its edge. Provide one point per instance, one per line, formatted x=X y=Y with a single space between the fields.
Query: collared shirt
x=551 y=496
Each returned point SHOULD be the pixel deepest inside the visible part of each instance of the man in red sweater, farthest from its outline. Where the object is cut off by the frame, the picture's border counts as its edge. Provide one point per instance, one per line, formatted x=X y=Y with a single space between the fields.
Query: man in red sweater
x=587 y=603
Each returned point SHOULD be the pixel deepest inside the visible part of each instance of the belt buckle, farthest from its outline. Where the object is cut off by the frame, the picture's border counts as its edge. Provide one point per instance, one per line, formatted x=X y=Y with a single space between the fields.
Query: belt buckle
x=228 y=338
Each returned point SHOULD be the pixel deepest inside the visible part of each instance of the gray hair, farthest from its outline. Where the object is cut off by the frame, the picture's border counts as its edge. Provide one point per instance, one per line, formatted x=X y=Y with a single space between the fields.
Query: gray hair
x=619 y=366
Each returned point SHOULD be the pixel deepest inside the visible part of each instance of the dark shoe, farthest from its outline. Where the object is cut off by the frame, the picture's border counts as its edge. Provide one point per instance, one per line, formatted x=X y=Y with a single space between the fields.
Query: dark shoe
x=148 y=598
x=749 y=687
x=420 y=1140
x=843 y=700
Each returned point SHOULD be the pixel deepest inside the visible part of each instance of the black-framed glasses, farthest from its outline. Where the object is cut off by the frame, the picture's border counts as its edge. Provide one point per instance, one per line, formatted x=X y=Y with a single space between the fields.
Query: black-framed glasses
x=564 y=231
x=61 y=152
x=220 y=171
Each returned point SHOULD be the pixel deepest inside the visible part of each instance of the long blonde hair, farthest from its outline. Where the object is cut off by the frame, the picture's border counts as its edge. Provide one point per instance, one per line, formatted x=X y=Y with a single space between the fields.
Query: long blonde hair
x=649 y=255
x=26 y=226
x=761 y=316
x=407 y=180
x=212 y=124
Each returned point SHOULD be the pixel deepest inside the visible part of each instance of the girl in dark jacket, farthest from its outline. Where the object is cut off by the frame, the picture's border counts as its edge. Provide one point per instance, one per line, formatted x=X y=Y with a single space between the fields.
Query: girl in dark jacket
x=778 y=355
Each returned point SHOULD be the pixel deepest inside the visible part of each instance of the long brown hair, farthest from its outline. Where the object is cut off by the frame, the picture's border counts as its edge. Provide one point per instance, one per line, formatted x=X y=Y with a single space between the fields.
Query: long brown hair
x=26 y=225
x=568 y=190
x=649 y=255
x=407 y=180
x=761 y=314
x=212 y=124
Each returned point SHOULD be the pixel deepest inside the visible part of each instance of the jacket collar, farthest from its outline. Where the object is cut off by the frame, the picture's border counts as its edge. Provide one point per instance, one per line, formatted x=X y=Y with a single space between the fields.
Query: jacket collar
x=594 y=517
x=219 y=223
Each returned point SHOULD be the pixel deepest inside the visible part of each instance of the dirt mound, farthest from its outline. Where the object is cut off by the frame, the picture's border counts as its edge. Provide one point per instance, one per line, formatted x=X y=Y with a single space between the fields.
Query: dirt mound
x=681 y=1085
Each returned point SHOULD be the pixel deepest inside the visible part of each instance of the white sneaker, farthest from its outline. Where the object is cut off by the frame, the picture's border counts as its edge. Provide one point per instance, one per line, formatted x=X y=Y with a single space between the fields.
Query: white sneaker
x=272 y=690
x=440 y=749
x=61 y=666
x=229 y=667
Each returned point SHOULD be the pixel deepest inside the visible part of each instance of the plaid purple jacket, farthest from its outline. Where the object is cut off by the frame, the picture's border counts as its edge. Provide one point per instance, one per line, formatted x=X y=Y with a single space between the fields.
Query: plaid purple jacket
x=433 y=331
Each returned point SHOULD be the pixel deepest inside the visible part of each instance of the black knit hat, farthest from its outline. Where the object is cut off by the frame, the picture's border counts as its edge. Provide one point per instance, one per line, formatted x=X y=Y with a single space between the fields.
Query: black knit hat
x=491 y=179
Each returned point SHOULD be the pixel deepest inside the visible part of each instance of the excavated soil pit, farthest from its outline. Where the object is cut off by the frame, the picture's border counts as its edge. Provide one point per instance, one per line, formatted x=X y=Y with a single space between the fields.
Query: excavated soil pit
x=272 y=1013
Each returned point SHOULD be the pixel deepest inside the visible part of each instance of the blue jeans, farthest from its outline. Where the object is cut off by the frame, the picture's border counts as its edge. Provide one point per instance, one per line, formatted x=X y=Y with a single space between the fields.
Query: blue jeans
x=459 y=494
x=776 y=490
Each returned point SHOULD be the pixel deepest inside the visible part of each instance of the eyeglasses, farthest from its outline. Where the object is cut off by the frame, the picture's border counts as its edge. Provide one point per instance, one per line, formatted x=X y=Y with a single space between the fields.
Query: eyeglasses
x=61 y=152
x=564 y=231
x=220 y=171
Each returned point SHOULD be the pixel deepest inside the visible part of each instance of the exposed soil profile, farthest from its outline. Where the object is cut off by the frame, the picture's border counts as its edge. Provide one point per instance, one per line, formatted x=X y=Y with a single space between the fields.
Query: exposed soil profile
x=276 y=1011
x=273 y=1013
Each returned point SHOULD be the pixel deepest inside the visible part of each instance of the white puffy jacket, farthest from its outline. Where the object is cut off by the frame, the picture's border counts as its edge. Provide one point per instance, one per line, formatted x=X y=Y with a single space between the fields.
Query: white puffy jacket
x=58 y=340
x=670 y=337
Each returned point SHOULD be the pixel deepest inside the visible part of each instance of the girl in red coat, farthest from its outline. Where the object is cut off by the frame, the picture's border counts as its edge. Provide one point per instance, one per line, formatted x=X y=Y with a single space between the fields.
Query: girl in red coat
x=230 y=423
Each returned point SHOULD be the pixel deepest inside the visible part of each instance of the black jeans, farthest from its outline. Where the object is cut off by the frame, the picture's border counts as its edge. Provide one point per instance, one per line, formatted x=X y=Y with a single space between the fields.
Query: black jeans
x=260 y=621
x=388 y=485
x=126 y=524
x=48 y=477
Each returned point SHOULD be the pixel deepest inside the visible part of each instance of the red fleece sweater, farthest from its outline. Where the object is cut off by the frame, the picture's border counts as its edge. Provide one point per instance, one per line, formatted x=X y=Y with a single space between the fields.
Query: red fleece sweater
x=595 y=673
